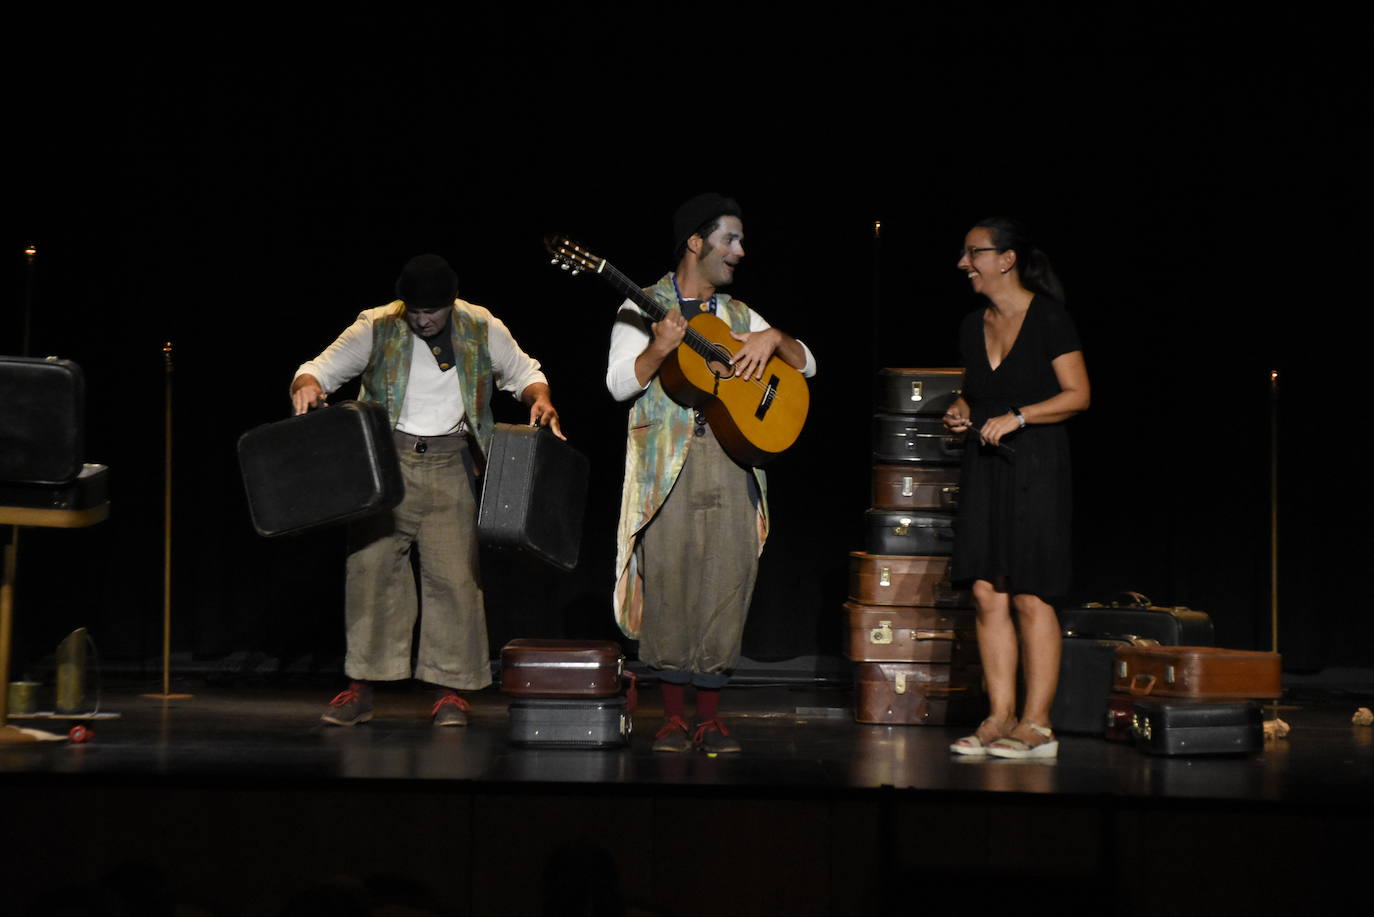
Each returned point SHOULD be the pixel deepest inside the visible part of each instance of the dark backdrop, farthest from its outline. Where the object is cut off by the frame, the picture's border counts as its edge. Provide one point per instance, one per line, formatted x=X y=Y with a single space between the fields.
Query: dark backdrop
x=243 y=187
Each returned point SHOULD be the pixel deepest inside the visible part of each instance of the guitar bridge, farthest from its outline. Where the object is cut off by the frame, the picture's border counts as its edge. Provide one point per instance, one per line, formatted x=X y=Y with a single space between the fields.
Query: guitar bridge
x=770 y=392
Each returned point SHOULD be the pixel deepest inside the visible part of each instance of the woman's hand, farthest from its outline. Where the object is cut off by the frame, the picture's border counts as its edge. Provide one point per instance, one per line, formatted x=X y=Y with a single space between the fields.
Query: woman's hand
x=997 y=427
x=956 y=419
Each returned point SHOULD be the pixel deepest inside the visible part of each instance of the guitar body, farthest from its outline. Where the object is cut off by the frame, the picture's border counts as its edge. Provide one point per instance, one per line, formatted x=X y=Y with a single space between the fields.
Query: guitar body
x=754 y=419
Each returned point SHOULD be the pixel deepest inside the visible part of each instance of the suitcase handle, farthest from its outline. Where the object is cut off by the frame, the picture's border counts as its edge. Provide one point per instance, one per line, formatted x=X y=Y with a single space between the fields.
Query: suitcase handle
x=1145 y=679
x=933 y=635
x=1131 y=599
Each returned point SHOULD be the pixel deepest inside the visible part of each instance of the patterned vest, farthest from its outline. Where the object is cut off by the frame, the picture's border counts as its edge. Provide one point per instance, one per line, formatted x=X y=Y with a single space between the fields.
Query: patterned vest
x=388 y=369
x=660 y=433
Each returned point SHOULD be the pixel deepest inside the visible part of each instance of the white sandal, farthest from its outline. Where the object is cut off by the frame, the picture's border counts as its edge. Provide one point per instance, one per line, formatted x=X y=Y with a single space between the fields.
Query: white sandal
x=1008 y=747
x=972 y=745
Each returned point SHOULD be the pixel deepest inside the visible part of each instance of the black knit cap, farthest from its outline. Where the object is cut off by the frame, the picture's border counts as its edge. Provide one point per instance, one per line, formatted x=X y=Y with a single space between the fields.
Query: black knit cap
x=699 y=211
x=427 y=282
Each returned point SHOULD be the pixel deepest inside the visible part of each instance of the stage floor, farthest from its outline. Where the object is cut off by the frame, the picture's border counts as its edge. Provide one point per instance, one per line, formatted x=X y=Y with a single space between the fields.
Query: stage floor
x=798 y=739
x=238 y=801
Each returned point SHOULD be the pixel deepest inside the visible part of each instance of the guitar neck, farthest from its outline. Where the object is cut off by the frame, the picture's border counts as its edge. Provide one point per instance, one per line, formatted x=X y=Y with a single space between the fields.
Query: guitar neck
x=632 y=291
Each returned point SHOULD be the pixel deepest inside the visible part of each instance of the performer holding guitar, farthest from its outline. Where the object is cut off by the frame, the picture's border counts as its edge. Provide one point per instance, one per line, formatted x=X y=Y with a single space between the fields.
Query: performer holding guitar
x=693 y=519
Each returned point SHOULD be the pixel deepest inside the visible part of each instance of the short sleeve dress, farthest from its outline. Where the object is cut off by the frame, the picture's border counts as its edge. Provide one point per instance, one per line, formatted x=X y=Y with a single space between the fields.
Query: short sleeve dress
x=1016 y=504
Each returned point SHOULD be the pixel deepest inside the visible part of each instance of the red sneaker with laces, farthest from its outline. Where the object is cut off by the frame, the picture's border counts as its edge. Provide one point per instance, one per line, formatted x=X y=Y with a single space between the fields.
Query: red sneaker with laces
x=713 y=738
x=673 y=735
x=350 y=706
x=450 y=710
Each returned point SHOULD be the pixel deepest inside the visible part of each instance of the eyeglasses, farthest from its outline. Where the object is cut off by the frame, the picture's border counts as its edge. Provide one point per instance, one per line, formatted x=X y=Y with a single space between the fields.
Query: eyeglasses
x=972 y=253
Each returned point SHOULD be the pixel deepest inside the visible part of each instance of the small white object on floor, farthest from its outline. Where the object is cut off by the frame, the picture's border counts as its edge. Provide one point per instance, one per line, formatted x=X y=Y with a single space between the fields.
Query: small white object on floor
x=1275 y=729
x=1363 y=717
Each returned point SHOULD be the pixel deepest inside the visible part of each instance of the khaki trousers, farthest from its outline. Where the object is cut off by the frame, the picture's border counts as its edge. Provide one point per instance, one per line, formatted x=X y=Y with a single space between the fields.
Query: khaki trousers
x=438 y=516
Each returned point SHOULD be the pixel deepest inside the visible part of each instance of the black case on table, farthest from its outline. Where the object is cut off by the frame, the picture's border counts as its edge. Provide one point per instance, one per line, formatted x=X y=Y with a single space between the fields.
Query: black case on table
x=534 y=494
x=335 y=464
x=603 y=722
x=908 y=532
x=1177 y=727
x=42 y=420
x=1131 y=617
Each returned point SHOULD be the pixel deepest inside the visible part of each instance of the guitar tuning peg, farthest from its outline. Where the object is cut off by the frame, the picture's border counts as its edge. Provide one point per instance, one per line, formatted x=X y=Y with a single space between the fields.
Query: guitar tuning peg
x=553 y=261
x=565 y=266
x=576 y=271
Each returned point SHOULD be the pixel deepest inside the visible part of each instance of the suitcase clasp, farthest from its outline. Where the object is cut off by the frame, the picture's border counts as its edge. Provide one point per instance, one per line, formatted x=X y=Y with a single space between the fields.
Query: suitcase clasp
x=907 y=483
x=918 y=389
x=903 y=526
x=899 y=685
x=884 y=576
x=882 y=634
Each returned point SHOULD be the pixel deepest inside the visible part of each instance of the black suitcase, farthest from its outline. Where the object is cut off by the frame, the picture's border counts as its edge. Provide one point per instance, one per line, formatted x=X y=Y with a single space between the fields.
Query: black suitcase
x=909 y=532
x=1085 y=684
x=1132 y=618
x=533 y=495
x=1174 y=727
x=918 y=391
x=335 y=464
x=42 y=420
x=904 y=438
x=604 y=722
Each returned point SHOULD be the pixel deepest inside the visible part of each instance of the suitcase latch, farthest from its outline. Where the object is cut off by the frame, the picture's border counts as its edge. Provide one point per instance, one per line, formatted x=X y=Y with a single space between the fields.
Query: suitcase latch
x=907 y=483
x=1168 y=674
x=882 y=634
x=903 y=526
x=884 y=576
x=917 y=390
x=899 y=685
x=1121 y=668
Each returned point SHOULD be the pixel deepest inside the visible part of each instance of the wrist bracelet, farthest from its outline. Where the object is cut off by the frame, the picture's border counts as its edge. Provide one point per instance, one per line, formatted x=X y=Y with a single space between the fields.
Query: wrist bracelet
x=1020 y=418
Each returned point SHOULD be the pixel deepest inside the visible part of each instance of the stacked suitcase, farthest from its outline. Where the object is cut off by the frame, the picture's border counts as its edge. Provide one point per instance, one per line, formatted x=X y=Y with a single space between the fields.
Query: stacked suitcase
x=910 y=633
x=567 y=693
x=1137 y=672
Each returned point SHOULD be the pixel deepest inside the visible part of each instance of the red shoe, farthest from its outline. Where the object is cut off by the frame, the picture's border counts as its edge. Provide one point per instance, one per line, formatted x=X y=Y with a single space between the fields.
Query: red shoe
x=450 y=710
x=713 y=738
x=674 y=735
x=350 y=706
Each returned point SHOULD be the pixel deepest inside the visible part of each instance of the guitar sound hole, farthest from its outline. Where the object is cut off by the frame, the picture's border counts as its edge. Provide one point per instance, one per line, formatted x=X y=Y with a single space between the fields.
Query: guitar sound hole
x=722 y=368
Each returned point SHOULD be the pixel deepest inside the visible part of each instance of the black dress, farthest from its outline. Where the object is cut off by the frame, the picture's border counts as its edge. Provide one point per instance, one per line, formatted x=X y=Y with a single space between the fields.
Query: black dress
x=1015 y=505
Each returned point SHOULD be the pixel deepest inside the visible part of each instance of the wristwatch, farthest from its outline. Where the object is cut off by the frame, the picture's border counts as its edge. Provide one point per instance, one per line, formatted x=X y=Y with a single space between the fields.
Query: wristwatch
x=1020 y=418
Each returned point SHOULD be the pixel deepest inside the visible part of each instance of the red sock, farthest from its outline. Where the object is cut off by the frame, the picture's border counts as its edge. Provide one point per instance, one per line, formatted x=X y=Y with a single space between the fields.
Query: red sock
x=674 y=700
x=708 y=703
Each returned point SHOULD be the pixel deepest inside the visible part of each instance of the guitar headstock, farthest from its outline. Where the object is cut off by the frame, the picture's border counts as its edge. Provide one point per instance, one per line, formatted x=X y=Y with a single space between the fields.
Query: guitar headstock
x=570 y=256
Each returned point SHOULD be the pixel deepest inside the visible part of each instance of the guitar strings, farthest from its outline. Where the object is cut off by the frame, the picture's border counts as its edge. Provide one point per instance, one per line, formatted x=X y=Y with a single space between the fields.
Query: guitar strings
x=701 y=345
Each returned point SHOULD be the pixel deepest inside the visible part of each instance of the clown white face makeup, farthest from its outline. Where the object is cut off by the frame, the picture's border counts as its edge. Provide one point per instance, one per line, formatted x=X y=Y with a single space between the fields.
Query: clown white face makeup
x=721 y=252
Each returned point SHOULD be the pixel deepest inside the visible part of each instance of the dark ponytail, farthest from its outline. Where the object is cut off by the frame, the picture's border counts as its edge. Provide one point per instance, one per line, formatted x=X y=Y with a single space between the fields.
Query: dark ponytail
x=1033 y=264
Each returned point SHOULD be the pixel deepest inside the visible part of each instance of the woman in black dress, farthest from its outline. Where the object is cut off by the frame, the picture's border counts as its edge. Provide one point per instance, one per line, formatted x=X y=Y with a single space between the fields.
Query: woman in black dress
x=1024 y=376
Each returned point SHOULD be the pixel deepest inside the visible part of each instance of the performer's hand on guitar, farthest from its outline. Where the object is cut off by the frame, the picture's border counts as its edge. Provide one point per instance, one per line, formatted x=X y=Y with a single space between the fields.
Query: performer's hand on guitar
x=668 y=333
x=757 y=349
x=306 y=393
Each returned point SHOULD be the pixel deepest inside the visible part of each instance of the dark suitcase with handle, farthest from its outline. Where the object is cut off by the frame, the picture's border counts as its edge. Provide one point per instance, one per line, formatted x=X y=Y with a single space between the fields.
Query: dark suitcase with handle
x=42 y=420
x=1162 y=727
x=534 y=492
x=918 y=391
x=909 y=532
x=908 y=438
x=1133 y=618
x=918 y=694
x=571 y=722
x=561 y=668
x=332 y=465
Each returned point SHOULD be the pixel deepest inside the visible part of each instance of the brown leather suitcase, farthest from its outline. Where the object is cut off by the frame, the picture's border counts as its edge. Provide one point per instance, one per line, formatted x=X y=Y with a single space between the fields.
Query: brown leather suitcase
x=918 y=391
x=1197 y=671
x=561 y=668
x=1120 y=713
x=903 y=579
x=916 y=487
x=918 y=694
x=890 y=633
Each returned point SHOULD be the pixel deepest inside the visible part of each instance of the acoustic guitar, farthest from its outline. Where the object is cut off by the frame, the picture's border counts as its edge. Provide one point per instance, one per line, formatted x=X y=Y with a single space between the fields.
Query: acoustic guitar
x=753 y=419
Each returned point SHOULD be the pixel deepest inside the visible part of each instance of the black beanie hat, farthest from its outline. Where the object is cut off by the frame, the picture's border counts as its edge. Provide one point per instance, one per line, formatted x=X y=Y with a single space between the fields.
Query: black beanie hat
x=427 y=282
x=699 y=211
